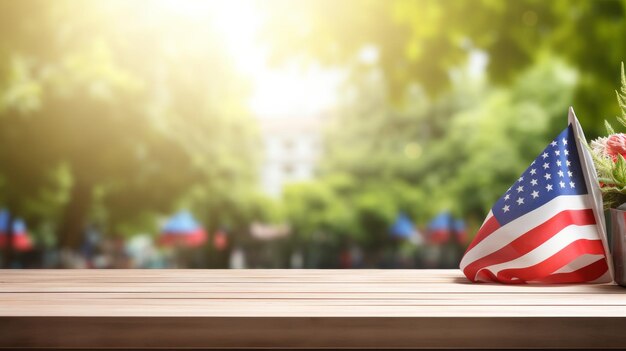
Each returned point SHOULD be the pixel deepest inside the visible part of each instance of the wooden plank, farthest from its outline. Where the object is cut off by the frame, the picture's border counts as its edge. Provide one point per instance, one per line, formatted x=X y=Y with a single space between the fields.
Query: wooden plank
x=385 y=298
x=300 y=287
x=226 y=276
x=174 y=277
x=341 y=332
x=164 y=308
x=326 y=274
x=300 y=308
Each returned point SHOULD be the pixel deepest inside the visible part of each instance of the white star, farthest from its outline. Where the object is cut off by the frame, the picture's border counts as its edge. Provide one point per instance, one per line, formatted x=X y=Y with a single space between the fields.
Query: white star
x=549 y=187
x=568 y=163
x=544 y=155
x=566 y=152
x=569 y=173
x=546 y=166
x=520 y=200
x=572 y=185
x=562 y=184
x=520 y=179
x=532 y=163
x=547 y=176
x=560 y=172
x=558 y=163
x=505 y=208
x=557 y=152
x=533 y=171
x=507 y=196
x=520 y=189
x=553 y=143
x=564 y=141
x=535 y=194
x=533 y=182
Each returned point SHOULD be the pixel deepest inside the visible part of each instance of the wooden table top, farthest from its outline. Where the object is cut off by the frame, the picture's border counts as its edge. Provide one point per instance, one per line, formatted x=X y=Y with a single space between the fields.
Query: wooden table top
x=300 y=308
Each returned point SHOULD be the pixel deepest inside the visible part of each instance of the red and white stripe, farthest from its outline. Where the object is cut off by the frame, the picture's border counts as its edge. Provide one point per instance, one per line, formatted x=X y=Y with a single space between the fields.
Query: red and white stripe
x=558 y=242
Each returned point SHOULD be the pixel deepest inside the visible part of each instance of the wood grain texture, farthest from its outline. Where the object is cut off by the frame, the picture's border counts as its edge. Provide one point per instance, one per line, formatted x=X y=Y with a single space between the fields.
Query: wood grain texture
x=300 y=308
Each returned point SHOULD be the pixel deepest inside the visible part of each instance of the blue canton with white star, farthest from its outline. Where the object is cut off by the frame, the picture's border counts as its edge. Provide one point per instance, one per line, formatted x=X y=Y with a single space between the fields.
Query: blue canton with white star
x=557 y=171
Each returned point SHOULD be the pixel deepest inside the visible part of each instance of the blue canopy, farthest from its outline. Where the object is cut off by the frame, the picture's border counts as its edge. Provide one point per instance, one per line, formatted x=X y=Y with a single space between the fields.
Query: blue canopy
x=402 y=227
x=459 y=226
x=18 y=224
x=443 y=221
x=181 y=222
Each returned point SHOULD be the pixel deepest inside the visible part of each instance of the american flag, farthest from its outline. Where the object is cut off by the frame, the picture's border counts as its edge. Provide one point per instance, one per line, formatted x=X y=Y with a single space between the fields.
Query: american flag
x=548 y=226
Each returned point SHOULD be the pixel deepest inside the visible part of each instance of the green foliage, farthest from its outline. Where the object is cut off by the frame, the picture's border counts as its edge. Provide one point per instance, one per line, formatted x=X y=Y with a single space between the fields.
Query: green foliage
x=419 y=41
x=132 y=125
x=619 y=172
x=612 y=176
x=473 y=138
x=609 y=128
x=473 y=143
x=120 y=124
x=621 y=97
x=487 y=139
x=611 y=171
x=314 y=208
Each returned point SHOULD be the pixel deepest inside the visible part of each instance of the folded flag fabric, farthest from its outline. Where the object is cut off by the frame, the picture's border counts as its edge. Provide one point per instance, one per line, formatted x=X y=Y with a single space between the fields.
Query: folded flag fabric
x=548 y=226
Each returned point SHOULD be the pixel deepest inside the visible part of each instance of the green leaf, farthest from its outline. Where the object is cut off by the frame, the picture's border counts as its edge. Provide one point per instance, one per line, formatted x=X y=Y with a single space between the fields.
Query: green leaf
x=621 y=101
x=609 y=128
x=623 y=79
x=619 y=172
x=607 y=181
x=608 y=190
x=622 y=120
x=621 y=97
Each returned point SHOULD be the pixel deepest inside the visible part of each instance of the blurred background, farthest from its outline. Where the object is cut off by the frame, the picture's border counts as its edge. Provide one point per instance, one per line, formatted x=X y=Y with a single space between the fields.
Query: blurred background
x=282 y=134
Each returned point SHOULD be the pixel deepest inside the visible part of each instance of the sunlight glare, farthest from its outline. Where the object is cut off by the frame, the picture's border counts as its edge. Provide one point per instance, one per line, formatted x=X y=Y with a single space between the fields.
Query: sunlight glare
x=288 y=90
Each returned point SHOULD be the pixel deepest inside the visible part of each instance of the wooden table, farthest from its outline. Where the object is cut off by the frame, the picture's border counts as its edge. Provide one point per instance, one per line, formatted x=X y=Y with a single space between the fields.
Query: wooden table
x=300 y=308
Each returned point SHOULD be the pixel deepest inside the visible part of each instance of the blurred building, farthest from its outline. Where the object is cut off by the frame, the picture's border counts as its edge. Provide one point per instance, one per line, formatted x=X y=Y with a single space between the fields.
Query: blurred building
x=292 y=147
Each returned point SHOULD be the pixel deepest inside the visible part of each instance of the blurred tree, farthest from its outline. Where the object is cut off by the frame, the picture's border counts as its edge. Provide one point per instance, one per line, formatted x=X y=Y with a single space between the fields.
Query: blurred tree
x=117 y=111
x=320 y=220
x=409 y=118
x=419 y=41
x=315 y=208
x=136 y=114
x=342 y=209
x=496 y=140
x=458 y=152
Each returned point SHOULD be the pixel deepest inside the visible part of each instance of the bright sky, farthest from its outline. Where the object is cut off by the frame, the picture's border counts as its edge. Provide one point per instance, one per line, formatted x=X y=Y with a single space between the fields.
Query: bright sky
x=291 y=90
x=287 y=91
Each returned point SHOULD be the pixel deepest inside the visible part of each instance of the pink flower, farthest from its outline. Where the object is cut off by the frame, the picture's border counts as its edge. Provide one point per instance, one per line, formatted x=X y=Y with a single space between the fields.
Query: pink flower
x=616 y=145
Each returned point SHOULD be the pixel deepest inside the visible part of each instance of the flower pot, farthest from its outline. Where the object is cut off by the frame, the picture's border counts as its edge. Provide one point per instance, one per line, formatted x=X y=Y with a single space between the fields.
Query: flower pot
x=618 y=244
